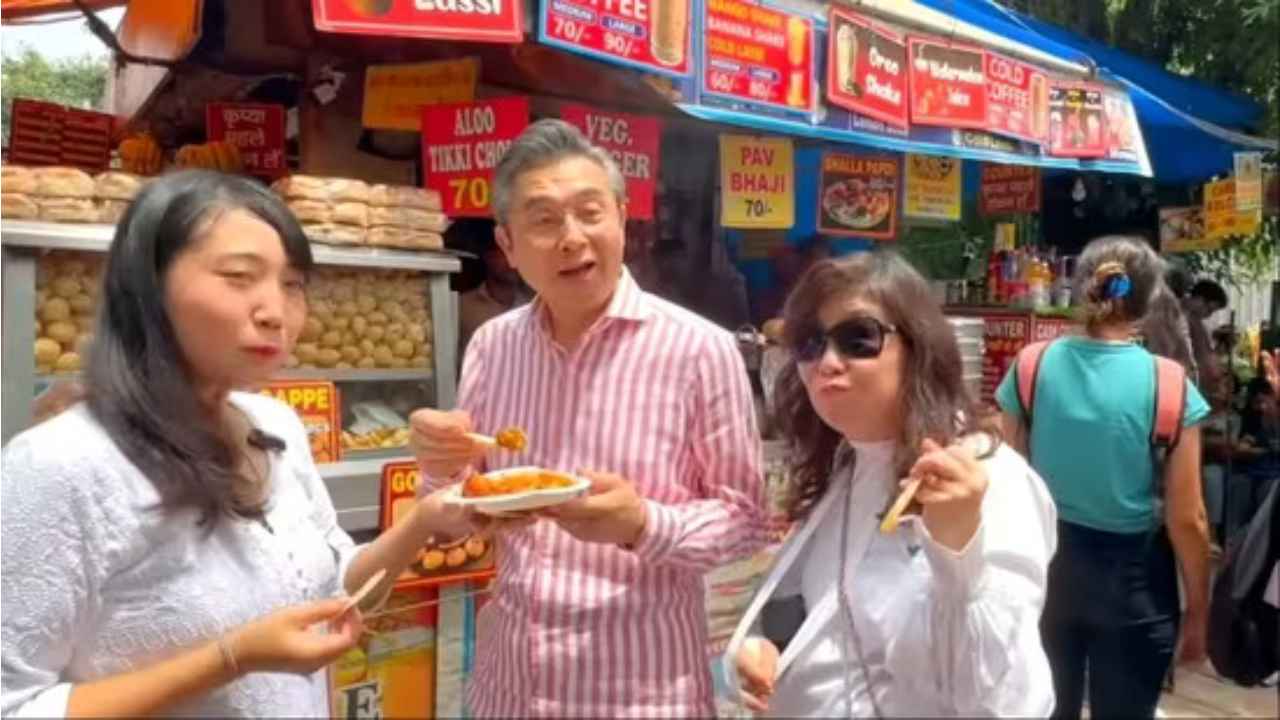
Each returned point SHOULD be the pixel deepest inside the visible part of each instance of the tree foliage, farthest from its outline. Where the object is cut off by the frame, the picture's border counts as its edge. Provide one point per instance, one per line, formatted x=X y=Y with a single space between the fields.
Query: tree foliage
x=1234 y=44
x=79 y=82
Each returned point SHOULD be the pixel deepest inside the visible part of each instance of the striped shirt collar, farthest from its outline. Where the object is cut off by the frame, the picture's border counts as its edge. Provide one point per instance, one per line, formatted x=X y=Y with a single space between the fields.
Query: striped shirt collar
x=629 y=303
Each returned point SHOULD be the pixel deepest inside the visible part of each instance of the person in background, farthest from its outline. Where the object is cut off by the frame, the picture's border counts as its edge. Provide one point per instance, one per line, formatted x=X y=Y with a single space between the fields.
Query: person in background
x=1204 y=299
x=599 y=606
x=1260 y=441
x=938 y=618
x=1123 y=518
x=1223 y=453
x=498 y=287
x=1166 y=332
x=168 y=545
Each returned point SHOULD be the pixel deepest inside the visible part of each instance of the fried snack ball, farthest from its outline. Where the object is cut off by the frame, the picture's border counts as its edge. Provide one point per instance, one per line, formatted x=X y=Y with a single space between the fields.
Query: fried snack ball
x=84 y=323
x=375 y=333
x=312 y=329
x=475 y=547
x=328 y=357
x=383 y=356
x=81 y=304
x=47 y=351
x=62 y=331
x=55 y=309
x=366 y=363
x=307 y=352
x=351 y=354
x=339 y=323
x=347 y=308
x=366 y=303
x=402 y=349
x=331 y=339
x=68 y=362
x=456 y=557
x=67 y=287
x=358 y=325
x=433 y=560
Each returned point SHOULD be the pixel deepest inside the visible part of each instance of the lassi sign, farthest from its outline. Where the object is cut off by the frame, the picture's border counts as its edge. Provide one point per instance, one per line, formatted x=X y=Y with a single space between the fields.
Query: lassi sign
x=478 y=20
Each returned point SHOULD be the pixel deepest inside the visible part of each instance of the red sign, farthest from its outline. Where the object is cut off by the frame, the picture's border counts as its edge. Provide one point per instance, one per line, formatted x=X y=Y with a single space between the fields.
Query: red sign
x=1009 y=189
x=1052 y=328
x=45 y=133
x=461 y=146
x=867 y=68
x=651 y=35
x=633 y=142
x=858 y=196
x=758 y=55
x=948 y=85
x=1077 y=123
x=1004 y=336
x=439 y=562
x=317 y=405
x=256 y=130
x=1017 y=99
x=479 y=20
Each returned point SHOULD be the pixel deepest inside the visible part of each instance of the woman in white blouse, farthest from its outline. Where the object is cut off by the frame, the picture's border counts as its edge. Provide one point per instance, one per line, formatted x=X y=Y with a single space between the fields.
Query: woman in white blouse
x=168 y=546
x=939 y=618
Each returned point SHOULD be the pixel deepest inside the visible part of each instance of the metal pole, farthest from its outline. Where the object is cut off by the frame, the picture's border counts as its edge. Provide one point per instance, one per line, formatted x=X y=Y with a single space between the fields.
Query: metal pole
x=1224 y=530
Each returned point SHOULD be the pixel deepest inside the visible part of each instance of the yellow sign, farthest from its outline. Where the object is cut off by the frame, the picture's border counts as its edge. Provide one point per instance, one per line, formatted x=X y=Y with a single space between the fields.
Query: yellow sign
x=757 y=189
x=933 y=187
x=1221 y=217
x=394 y=94
x=1248 y=177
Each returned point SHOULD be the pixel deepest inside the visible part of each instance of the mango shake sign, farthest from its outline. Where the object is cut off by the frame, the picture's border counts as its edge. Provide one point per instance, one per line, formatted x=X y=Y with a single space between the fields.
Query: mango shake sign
x=478 y=20
x=461 y=146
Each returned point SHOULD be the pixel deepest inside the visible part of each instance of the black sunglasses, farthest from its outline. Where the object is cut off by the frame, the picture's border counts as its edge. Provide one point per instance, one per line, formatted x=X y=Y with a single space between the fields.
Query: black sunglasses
x=860 y=337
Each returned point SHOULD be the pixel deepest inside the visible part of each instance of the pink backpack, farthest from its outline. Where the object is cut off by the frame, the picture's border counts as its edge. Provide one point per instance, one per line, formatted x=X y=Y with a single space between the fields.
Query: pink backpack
x=1171 y=396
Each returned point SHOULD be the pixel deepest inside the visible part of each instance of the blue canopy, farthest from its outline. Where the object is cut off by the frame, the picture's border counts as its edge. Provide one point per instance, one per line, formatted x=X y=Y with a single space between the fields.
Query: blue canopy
x=1191 y=129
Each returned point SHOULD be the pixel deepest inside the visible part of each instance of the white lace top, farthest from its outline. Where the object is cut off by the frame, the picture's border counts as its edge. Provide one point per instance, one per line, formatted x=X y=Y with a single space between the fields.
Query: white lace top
x=95 y=583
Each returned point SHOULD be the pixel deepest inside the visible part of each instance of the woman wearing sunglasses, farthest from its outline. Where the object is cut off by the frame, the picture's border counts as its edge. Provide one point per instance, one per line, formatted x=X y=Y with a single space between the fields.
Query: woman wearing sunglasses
x=940 y=616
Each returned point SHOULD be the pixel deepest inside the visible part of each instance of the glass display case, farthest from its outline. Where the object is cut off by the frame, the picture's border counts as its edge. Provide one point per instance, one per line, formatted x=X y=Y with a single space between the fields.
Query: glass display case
x=382 y=326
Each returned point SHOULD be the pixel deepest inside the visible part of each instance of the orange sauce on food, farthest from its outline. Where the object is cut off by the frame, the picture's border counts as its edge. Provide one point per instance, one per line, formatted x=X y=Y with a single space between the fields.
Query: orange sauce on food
x=483 y=486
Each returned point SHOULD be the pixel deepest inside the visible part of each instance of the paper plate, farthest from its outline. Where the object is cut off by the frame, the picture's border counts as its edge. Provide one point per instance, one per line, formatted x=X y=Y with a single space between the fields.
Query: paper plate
x=522 y=501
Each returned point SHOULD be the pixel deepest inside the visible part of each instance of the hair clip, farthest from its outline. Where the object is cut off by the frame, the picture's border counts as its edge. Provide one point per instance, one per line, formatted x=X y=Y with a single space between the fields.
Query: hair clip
x=1119 y=286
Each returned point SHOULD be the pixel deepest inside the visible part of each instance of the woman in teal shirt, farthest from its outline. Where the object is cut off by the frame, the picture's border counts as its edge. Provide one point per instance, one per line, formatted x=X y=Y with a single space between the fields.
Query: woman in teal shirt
x=1113 y=603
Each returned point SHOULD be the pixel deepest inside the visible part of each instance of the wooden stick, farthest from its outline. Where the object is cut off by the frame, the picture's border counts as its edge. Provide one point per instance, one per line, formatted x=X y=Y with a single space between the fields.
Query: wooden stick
x=373 y=582
x=891 y=518
x=489 y=442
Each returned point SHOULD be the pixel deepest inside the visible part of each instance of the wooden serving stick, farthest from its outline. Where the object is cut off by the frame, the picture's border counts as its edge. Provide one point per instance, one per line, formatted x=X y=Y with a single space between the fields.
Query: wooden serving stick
x=891 y=519
x=359 y=595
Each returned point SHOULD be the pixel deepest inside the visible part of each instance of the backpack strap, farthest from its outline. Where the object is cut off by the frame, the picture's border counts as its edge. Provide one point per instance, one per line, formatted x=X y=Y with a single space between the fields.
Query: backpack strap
x=1171 y=399
x=1026 y=372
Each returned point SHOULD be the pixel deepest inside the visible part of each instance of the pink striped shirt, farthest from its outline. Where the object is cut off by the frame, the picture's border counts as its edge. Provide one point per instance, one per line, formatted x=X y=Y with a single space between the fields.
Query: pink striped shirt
x=659 y=396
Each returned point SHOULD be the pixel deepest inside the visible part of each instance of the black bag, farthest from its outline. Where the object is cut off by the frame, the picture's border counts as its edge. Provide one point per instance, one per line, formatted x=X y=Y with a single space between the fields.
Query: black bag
x=1244 y=635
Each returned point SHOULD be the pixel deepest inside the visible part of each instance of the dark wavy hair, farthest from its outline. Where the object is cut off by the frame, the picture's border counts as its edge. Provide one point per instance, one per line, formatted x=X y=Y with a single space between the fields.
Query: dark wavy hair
x=138 y=382
x=1101 y=262
x=936 y=403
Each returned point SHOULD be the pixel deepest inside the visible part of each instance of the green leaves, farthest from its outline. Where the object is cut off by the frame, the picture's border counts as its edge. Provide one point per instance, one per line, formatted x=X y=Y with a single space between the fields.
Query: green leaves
x=79 y=82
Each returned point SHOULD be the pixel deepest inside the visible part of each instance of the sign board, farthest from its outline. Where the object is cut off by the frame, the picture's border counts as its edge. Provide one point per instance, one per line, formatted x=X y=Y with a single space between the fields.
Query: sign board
x=43 y=133
x=758 y=55
x=1009 y=189
x=476 y=20
x=395 y=94
x=1077 y=120
x=465 y=559
x=1248 y=177
x=1017 y=99
x=1221 y=218
x=649 y=35
x=461 y=146
x=948 y=84
x=757 y=182
x=1182 y=230
x=633 y=141
x=256 y=130
x=867 y=68
x=317 y=405
x=858 y=195
x=933 y=187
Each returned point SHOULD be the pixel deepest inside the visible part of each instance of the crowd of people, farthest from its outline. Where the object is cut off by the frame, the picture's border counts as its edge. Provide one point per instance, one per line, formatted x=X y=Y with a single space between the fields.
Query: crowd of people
x=169 y=546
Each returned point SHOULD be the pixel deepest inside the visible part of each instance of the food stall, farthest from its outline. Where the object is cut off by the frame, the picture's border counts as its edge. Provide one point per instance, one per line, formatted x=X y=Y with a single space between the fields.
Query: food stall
x=744 y=128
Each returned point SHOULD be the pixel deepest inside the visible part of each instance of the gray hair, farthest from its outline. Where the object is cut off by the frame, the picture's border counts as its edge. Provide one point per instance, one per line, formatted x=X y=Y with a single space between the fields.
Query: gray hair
x=541 y=144
x=1133 y=257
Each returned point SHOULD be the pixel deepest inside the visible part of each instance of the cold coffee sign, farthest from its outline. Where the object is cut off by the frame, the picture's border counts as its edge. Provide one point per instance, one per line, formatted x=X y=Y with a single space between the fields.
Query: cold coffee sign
x=461 y=146
x=479 y=20
x=757 y=55
x=948 y=85
x=651 y=35
x=633 y=142
x=867 y=68
x=1017 y=99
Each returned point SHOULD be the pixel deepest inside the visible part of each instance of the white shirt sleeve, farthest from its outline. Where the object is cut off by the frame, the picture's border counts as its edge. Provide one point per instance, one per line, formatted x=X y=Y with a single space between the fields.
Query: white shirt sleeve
x=975 y=639
x=53 y=562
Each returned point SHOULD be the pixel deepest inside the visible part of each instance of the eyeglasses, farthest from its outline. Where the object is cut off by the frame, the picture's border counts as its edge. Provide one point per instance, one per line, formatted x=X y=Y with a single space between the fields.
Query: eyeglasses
x=860 y=337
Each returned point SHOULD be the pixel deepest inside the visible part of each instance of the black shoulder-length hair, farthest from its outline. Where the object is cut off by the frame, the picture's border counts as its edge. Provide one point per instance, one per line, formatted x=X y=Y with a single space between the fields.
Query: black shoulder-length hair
x=138 y=381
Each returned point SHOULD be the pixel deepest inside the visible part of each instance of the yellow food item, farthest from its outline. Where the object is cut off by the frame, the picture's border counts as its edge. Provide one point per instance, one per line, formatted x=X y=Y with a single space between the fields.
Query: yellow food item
x=81 y=304
x=47 y=351
x=66 y=286
x=402 y=349
x=475 y=547
x=351 y=354
x=62 y=331
x=331 y=339
x=456 y=557
x=68 y=362
x=140 y=154
x=55 y=309
x=220 y=156
x=328 y=357
x=433 y=560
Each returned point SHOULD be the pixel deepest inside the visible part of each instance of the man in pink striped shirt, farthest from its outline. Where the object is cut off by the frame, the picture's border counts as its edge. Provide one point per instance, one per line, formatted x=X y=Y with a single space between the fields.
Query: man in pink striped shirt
x=598 y=608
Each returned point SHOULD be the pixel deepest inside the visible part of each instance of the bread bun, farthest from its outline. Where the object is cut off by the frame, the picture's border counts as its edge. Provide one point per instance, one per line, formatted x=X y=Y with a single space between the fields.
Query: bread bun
x=405 y=196
x=17 y=179
x=334 y=234
x=309 y=187
x=111 y=212
x=18 y=207
x=67 y=209
x=117 y=186
x=410 y=218
x=401 y=238
x=63 y=182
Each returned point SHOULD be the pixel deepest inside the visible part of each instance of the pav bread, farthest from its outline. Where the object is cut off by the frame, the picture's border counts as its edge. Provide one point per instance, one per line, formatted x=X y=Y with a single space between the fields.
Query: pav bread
x=404 y=196
x=310 y=187
x=117 y=186
x=334 y=234
x=67 y=209
x=17 y=206
x=17 y=179
x=394 y=237
x=63 y=182
x=406 y=217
